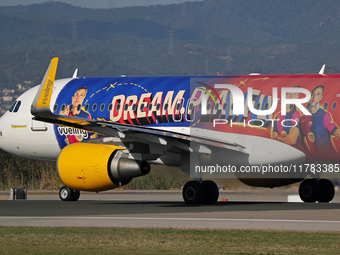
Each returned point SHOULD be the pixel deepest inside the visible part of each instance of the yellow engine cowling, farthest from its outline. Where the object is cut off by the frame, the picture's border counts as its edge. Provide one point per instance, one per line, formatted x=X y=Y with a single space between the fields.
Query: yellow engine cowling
x=97 y=167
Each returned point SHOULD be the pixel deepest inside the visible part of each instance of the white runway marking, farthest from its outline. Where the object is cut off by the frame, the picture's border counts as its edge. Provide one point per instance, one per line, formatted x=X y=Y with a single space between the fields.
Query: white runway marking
x=159 y=218
x=172 y=222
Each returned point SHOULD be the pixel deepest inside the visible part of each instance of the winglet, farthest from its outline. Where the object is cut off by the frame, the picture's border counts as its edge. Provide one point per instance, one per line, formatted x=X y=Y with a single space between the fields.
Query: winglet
x=322 y=70
x=42 y=100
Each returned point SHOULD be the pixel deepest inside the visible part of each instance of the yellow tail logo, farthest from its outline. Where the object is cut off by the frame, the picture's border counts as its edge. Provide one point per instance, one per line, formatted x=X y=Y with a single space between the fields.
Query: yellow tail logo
x=46 y=93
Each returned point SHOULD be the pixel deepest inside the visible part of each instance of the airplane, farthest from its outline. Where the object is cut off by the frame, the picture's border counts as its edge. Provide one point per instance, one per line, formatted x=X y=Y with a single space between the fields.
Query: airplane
x=265 y=130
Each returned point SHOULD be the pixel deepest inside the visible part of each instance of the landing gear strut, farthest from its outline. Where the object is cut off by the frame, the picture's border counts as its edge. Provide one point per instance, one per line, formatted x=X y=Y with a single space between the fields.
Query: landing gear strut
x=68 y=194
x=312 y=190
x=196 y=192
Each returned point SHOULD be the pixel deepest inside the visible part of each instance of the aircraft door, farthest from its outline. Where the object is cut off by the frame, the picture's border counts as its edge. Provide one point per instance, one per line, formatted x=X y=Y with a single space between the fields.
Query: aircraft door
x=38 y=125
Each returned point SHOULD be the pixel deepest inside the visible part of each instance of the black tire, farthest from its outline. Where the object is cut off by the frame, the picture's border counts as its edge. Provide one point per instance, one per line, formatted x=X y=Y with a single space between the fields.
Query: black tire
x=211 y=192
x=193 y=193
x=326 y=191
x=309 y=191
x=65 y=193
x=75 y=195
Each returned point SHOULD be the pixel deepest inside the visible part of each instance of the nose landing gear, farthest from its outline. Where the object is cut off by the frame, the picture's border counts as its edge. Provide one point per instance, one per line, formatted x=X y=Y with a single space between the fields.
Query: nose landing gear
x=68 y=194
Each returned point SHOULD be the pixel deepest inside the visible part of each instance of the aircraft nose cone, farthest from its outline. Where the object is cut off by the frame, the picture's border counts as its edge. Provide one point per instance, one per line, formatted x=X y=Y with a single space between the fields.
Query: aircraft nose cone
x=2 y=122
x=3 y=128
x=1 y=131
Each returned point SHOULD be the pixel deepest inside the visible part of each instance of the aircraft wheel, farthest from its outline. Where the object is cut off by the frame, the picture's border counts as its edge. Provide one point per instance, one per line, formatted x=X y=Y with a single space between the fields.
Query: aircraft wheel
x=75 y=195
x=326 y=191
x=211 y=192
x=309 y=190
x=65 y=193
x=68 y=194
x=193 y=192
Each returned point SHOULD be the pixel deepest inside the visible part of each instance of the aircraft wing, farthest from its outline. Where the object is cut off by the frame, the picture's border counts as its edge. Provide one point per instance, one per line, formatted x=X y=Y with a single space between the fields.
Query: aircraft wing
x=40 y=108
x=144 y=134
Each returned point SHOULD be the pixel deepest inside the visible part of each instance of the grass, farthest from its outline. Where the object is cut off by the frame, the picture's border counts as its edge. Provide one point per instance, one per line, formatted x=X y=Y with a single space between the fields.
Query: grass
x=30 y=240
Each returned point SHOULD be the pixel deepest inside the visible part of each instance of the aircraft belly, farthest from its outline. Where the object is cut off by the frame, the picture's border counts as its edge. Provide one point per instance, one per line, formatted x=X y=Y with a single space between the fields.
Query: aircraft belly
x=260 y=150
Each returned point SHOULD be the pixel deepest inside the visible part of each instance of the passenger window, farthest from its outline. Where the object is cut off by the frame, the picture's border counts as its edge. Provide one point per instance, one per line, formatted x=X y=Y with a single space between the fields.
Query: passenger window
x=334 y=105
x=55 y=107
x=63 y=107
x=87 y=106
x=325 y=105
x=258 y=106
x=102 y=107
x=110 y=107
x=266 y=105
x=308 y=106
x=79 y=107
x=71 y=107
x=94 y=107
x=134 y=107
x=12 y=106
x=17 y=106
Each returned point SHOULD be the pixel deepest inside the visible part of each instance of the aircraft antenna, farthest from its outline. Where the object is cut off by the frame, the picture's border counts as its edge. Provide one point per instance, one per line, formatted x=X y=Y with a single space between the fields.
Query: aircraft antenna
x=75 y=74
x=322 y=70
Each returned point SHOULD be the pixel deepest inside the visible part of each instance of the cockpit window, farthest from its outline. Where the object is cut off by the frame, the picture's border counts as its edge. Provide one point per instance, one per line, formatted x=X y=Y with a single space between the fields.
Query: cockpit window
x=12 y=106
x=16 y=108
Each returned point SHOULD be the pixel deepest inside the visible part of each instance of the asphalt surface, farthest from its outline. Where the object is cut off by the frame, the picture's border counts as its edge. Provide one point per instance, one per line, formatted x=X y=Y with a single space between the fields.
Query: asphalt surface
x=260 y=209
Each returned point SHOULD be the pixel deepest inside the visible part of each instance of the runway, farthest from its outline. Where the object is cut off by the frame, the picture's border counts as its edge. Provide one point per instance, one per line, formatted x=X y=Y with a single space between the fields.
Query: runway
x=259 y=209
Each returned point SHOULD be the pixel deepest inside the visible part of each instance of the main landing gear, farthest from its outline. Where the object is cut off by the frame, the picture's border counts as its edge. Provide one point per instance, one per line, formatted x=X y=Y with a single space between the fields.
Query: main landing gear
x=68 y=194
x=312 y=190
x=198 y=192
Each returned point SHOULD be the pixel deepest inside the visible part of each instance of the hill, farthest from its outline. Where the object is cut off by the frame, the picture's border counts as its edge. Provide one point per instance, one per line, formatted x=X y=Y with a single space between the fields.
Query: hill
x=228 y=36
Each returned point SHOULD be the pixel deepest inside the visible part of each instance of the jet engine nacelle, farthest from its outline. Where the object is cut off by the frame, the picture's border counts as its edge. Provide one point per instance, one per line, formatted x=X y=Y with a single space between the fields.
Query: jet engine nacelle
x=97 y=167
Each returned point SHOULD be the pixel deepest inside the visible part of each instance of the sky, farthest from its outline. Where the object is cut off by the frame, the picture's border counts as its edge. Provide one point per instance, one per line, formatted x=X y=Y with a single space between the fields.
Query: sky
x=96 y=3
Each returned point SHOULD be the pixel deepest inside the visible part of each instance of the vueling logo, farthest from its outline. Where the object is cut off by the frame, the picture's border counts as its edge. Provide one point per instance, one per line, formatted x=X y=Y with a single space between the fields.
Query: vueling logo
x=47 y=92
